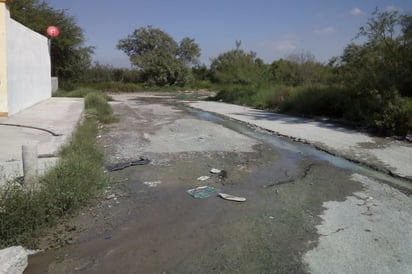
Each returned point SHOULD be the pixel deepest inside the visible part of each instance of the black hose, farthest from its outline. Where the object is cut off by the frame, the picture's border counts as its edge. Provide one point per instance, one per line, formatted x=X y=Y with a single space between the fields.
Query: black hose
x=121 y=166
x=37 y=128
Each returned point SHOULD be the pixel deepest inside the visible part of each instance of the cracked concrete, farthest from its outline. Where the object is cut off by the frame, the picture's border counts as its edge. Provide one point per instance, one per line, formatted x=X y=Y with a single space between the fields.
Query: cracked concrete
x=369 y=232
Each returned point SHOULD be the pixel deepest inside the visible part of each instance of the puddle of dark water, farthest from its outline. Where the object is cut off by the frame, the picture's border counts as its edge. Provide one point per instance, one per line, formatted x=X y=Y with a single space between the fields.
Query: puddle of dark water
x=300 y=150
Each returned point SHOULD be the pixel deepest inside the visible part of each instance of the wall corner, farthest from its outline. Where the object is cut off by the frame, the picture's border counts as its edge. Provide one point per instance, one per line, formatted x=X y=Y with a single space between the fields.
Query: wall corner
x=4 y=17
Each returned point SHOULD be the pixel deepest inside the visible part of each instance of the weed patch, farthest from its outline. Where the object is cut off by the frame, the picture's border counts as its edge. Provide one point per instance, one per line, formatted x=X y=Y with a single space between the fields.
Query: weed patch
x=97 y=105
x=77 y=178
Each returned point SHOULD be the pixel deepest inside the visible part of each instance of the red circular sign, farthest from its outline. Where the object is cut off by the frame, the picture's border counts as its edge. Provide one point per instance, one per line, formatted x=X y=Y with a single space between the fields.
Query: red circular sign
x=53 y=31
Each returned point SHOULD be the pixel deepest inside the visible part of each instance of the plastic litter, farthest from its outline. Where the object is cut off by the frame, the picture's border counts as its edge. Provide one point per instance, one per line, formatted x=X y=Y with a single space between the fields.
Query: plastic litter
x=111 y=196
x=202 y=192
x=152 y=184
x=232 y=198
x=115 y=167
x=203 y=178
x=222 y=173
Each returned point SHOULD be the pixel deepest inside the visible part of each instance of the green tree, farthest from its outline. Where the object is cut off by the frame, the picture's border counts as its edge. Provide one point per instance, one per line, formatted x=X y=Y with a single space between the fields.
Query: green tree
x=299 y=69
x=383 y=62
x=161 y=60
x=68 y=54
x=98 y=73
x=405 y=79
x=201 y=72
x=188 y=51
x=237 y=67
x=377 y=71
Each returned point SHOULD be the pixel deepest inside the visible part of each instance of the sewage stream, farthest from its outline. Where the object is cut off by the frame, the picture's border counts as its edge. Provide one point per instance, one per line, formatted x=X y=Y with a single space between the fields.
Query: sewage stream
x=299 y=149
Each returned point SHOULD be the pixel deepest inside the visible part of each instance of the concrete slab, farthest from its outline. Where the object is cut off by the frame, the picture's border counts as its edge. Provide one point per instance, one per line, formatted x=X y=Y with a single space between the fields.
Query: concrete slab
x=48 y=124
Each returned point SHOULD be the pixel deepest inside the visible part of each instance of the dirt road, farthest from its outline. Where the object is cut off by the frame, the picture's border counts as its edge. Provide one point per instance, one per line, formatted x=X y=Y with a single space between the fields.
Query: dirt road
x=302 y=215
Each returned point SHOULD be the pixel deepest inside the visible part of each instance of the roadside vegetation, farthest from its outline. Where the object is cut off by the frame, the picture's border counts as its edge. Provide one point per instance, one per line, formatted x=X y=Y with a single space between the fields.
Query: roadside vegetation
x=77 y=178
x=368 y=86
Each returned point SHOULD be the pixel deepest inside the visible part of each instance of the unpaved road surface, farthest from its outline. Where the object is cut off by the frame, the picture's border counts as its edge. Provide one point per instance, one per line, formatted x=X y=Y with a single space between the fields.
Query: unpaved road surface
x=301 y=215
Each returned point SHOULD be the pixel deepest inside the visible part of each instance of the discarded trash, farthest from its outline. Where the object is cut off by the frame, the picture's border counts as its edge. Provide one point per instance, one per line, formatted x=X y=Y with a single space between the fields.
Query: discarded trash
x=222 y=173
x=232 y=198
x=141 y=161
x=202 y=192
x=408 y=137
x=203 y=178
x=111 y=196
x=152 y=184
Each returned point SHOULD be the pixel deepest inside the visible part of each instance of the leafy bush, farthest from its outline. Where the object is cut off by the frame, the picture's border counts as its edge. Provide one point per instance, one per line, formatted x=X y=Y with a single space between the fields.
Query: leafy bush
x=395 y=117
x=404 y=116
x=238 y=94
x=161 y=60
x=271 y=97
x=316 y=101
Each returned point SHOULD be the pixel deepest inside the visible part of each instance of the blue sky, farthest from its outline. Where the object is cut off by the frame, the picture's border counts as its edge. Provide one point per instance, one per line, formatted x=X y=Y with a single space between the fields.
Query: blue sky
x=271 y=28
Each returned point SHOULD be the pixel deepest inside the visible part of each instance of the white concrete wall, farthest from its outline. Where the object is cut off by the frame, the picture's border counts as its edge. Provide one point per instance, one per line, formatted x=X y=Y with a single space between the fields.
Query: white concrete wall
x=4 y=102
x=28 y=67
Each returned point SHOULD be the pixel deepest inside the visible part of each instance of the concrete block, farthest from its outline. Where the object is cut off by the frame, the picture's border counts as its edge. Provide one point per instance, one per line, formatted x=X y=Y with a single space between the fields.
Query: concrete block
x=13 y=260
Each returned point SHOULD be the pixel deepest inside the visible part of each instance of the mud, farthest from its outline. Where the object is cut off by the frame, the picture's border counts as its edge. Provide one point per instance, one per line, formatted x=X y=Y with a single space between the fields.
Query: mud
x=138 y=227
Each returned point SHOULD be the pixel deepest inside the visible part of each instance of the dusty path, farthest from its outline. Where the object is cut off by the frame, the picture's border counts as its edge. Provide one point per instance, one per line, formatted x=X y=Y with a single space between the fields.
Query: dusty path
x=301 y=215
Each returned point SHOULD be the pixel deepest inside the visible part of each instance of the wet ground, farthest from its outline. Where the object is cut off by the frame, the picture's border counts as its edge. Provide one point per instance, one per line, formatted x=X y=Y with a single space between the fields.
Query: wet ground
x=147 y=223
